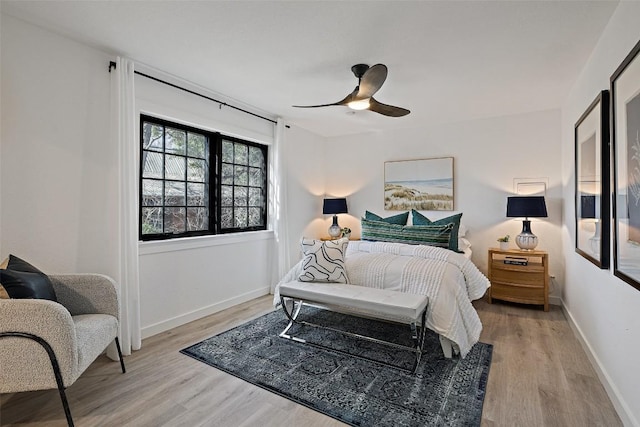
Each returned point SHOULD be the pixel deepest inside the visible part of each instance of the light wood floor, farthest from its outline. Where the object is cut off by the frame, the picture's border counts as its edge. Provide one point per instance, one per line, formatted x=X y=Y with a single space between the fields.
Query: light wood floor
x=540 y=376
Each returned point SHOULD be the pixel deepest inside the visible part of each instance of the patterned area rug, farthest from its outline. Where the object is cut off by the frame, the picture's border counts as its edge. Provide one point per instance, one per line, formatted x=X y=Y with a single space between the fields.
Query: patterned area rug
x=359 y=392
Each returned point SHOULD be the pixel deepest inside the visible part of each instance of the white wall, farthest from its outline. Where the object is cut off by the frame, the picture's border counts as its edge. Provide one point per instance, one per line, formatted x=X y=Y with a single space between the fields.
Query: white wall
x=59 y=187
x=57 y=162
x=184 y=279
x=488 y=154
x=603 y=308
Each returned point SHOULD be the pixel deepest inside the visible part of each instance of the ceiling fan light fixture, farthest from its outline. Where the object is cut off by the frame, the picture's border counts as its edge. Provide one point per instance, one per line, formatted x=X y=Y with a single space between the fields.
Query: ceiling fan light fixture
x=361 y=104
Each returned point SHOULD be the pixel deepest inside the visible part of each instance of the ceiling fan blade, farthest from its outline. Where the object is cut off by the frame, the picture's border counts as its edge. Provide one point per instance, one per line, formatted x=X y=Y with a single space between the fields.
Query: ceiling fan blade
x=372 y=81
x=347 y=99
x=387 y=110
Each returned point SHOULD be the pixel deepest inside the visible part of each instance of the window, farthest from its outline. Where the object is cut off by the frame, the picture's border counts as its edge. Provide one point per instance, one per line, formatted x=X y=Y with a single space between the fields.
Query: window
x=194 y=182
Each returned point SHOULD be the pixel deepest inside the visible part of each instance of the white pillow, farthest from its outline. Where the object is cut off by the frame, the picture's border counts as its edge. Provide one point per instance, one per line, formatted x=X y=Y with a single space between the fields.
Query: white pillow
x=462 y=231
x=324 y=261
x=463 y=244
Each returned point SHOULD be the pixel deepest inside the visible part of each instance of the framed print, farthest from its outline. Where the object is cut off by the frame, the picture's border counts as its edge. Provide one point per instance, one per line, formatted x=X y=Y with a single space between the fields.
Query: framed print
x=425 y=184
x=625 y=111
x=592 y=167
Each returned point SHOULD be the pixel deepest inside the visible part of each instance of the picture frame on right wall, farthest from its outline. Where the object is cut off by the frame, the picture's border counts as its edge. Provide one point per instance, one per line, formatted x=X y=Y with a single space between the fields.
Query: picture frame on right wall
x=592 y=182
x=625 y=131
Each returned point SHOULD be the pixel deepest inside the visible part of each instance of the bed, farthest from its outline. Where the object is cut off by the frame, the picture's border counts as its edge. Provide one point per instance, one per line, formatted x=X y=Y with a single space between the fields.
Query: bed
x=449 y=279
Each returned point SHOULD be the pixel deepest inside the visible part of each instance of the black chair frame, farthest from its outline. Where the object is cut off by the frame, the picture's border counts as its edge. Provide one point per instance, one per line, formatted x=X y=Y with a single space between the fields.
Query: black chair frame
x=56 y=366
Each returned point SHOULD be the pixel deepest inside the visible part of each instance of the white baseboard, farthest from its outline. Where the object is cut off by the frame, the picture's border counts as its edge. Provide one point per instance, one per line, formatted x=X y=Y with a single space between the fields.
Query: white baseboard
x=182 y=319
x=619 y=403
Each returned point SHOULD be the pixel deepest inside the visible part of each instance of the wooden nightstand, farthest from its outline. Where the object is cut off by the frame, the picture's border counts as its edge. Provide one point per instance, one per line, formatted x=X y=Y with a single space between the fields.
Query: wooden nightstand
x=526 y=284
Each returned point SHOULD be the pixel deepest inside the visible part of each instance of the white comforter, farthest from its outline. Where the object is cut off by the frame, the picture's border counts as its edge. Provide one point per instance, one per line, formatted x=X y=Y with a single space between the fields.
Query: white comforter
x=450 y=280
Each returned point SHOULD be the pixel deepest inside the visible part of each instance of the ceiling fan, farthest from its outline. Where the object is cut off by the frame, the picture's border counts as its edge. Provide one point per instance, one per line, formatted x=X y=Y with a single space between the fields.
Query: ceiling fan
x=370 y=80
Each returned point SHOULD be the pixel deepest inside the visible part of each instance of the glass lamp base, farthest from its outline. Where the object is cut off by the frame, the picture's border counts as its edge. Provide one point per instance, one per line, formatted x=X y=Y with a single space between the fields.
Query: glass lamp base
x=527 y=241
x=335 y=231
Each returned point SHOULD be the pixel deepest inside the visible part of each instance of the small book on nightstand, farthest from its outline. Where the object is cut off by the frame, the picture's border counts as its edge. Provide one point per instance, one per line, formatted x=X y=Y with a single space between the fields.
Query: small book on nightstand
x=516 y=260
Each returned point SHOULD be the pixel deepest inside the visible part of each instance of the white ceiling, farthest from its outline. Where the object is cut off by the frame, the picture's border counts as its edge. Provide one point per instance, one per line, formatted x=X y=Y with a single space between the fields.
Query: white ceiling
x=448 y=61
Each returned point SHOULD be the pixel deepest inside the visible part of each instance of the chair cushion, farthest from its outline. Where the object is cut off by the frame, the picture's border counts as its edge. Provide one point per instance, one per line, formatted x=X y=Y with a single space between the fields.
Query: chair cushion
x=19 y=279
x=94 y=333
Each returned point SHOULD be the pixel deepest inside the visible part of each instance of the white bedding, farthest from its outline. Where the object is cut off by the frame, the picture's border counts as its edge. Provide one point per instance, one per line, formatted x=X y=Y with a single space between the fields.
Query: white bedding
x=450 y=280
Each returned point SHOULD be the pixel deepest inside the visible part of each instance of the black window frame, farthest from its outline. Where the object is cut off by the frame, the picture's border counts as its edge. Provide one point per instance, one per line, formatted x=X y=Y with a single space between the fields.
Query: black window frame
x=213 y=181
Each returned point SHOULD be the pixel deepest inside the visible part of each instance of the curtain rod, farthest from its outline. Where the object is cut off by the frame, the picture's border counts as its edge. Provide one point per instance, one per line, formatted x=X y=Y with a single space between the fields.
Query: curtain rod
x=112 y=64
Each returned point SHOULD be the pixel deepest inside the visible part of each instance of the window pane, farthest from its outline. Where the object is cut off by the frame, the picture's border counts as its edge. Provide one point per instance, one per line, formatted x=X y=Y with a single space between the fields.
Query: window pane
x=226 y=198
x=227 y=174
x=255 y=217
x=151 y=164
x=174 y=194
x=240 y=196
x=174 y=220
x=227 y=151
x=175 y=141
x=152 y=137
x=255 y=177
x=196 y=170
x=240 y=218
x=255 y=157
x=255 y=197
x=197 y=219
x=241 y=154
x=241 y=175
x=174 y=167
x=151 y=192
x=195 y=145
x=196 y=195
x=226 y=220
x=151 y=220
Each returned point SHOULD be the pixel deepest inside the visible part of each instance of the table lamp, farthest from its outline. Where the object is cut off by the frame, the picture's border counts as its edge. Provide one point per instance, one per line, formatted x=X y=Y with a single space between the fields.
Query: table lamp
x=527 y=207
x=334 y=207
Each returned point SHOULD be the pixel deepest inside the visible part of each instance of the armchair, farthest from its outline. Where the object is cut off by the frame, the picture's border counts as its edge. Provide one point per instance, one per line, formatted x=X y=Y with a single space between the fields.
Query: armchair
x=38 y=335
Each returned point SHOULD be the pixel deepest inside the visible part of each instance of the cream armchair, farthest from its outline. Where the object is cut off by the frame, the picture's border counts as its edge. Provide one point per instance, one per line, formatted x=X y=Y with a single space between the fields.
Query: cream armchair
x=37 y=335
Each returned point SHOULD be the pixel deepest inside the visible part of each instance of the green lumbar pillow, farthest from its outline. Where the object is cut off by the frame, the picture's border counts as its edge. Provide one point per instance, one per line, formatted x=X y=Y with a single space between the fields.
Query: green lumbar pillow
x=419 y=219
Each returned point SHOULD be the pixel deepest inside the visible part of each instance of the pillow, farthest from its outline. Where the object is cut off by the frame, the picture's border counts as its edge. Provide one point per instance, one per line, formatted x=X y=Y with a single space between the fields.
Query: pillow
x=463 y=244
x=19 y=279
x=419 y=219
x=432 y=235
x=324 y=261
x=395 y=219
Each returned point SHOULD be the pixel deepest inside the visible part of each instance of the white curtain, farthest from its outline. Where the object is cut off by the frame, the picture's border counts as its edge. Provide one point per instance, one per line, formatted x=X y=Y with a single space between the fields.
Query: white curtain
x=123 y=125
x=279 y=204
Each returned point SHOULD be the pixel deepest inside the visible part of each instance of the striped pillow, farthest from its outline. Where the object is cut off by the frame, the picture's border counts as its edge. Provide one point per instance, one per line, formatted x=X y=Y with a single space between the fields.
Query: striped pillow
x=432 y=235
x=419 y=219
x=324 y=261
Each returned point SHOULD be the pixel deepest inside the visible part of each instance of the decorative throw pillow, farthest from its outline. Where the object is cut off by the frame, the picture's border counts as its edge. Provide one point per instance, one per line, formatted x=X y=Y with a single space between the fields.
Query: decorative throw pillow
x=400 y=219
x=432 y=235
x=19 y=279
x=324 y=261
x=419 y=219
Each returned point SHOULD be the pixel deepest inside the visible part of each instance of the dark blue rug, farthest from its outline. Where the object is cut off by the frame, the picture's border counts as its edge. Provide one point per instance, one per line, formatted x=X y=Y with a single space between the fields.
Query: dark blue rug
x=443 y=392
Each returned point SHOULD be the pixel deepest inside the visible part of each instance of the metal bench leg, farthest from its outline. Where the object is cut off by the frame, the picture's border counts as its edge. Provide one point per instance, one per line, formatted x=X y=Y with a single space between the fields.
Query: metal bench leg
x=291 y=315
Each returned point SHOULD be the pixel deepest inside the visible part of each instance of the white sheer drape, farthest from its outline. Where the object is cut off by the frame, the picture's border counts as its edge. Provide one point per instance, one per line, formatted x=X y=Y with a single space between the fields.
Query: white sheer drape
x=124 y=136
x=279 y=204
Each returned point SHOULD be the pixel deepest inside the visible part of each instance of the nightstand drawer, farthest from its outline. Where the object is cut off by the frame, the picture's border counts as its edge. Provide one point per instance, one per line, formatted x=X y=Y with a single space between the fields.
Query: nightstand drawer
x=512 y=281
x=517 y=293
x=512 y=276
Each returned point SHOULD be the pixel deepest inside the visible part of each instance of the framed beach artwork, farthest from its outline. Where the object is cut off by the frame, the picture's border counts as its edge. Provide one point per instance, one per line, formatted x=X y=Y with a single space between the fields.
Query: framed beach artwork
x=424 y=184
x=625 y=109
x=591 y=133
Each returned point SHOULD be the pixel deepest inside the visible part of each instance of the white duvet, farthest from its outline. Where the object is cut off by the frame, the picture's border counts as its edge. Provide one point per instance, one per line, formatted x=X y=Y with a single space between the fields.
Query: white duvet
x=450 y=280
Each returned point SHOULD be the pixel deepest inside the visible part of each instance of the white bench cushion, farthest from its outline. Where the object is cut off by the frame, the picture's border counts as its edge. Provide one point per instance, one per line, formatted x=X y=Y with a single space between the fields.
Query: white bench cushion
x=393 y=304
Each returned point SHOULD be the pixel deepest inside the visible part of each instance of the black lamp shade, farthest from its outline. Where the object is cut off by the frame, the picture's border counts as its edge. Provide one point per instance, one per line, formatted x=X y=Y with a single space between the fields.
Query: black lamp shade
x=526 y=207
x=334 y=206
x=587 y=206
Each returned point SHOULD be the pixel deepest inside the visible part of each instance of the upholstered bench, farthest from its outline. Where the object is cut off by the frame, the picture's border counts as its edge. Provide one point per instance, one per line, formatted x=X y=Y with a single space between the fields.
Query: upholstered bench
x=360 y=301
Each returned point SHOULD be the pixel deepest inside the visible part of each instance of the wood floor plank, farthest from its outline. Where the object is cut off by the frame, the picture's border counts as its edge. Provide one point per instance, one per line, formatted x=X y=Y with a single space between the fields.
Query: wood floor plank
x=539 y=376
